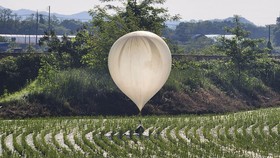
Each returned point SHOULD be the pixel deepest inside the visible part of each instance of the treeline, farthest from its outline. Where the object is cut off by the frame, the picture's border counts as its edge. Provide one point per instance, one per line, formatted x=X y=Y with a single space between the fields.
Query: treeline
x=190 y=35
x=11 y=23
x=186 y=31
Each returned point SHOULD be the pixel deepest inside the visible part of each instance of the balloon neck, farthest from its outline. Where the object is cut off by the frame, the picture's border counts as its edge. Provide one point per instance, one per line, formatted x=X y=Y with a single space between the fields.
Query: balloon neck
x=139 y=114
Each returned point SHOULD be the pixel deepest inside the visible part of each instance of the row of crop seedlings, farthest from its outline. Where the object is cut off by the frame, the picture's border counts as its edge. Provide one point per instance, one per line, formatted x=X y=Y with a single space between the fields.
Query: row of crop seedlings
x=258 y=135
x=159 y=143
x=248 y=134
x=28 y=138
x=244 y=134
x=14 y=140
x=165 y=142
x=199 y=135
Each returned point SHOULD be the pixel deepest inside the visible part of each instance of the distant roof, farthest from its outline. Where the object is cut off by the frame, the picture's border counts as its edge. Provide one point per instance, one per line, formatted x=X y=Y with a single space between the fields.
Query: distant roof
x=197 y=36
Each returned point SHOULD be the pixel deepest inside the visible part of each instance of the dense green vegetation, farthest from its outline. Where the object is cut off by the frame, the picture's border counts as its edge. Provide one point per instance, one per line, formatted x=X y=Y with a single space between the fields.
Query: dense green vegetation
x=193 y=87
x=16 y=72
x=73 y=79
x=244 y=134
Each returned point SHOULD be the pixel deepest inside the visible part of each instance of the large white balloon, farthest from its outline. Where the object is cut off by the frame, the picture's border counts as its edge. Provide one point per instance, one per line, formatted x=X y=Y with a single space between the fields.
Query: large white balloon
x=139 y=63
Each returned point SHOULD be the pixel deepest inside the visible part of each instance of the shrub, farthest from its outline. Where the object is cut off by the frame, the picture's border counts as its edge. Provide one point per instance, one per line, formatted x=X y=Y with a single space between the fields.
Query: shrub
x=188 y=75
x=16 y=72
x=83 y=92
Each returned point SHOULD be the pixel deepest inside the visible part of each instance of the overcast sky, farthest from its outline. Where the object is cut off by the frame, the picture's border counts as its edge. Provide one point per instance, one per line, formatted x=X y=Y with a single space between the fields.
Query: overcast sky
x=260 y=12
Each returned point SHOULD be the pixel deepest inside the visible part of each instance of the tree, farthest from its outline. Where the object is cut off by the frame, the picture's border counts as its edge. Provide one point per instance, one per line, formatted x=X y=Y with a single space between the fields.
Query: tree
x=3 y=39
x=9 y=22
x=71 y=24
x=278 y=21
x=67 y=52
x=51 y=40
x=269 y=46
x=42 y=20
x=242 y=51
x=133 y=15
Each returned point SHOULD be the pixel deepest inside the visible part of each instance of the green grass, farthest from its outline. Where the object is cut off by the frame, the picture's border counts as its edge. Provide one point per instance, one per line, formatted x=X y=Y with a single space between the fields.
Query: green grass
x=30 y=88
x=74 y=84
x=92 y=92
x=260 y=132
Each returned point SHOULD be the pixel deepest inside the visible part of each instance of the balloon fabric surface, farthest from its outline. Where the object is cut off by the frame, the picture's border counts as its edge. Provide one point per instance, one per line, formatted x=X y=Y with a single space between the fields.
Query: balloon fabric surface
x=139 y=63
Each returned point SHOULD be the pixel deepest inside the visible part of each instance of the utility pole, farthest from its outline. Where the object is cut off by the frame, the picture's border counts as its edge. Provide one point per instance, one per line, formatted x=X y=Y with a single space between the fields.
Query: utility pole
x=49 y=18
x=269 y=44
x=269 y=33
x=37 y=23
x=15 y=16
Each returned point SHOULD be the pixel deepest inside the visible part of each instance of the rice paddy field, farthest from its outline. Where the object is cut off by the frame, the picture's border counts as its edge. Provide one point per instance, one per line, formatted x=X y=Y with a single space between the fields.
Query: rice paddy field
x=244 y=134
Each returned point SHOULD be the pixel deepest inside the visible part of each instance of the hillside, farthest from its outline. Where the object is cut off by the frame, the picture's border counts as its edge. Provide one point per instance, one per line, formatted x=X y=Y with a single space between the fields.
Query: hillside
x=245 y=134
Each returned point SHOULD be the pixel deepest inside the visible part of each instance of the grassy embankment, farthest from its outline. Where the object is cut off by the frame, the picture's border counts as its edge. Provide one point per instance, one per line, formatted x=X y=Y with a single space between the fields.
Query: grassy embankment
x=193 y=87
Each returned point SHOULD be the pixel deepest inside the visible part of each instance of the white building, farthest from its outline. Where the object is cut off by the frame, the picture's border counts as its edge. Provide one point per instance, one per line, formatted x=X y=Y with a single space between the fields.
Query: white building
x=27 y=39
